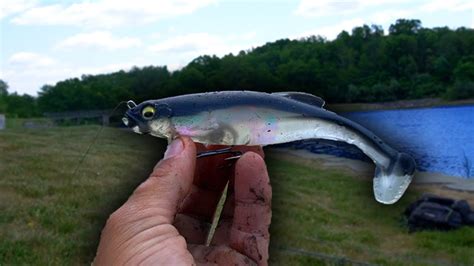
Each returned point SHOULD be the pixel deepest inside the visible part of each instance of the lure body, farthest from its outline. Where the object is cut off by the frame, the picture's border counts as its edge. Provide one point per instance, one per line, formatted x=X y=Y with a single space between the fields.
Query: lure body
x=255 y=118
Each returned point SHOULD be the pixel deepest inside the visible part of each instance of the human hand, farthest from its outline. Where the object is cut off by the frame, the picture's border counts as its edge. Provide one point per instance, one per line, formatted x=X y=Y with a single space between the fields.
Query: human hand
x=167 y=219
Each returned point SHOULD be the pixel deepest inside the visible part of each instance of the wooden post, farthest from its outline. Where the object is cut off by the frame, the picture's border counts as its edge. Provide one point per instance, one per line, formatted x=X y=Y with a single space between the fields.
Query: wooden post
x=2 y=121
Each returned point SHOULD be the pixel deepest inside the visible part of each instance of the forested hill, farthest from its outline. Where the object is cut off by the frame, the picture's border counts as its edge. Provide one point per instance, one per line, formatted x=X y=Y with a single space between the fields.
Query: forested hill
x=365 y=65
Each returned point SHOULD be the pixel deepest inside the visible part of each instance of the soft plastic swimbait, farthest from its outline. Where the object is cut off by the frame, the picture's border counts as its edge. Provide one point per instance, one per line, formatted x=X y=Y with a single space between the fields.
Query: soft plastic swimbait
x=255 y=118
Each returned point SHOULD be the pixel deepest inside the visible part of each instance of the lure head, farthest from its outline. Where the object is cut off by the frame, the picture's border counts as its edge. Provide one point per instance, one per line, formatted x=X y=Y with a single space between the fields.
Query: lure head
x=149 y=117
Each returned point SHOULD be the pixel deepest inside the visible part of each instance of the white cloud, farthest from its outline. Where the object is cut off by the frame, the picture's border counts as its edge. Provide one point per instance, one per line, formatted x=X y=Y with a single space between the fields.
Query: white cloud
x=30 y=60
x=331 y=31
x=10 y=7
x=108 y=13
x=444 y=5
x=26 y=68
x=27 y=72
x=98 y=39
x=196 y=44
x=310 y=8
x=388 y=16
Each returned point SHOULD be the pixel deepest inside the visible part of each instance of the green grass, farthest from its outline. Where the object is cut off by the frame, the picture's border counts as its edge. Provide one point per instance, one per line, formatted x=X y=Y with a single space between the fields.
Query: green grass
x=51 y=216
x=327 y=216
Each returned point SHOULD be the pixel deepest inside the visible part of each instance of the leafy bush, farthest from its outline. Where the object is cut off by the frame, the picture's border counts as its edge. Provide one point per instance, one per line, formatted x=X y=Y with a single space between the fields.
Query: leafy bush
x=460 y=90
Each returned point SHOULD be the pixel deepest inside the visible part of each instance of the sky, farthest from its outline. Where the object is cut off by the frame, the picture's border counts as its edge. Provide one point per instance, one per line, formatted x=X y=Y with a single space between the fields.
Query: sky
x=43 y=42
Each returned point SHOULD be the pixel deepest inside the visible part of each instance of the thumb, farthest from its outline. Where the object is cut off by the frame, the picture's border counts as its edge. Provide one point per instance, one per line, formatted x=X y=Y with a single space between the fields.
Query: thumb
x=170 y=180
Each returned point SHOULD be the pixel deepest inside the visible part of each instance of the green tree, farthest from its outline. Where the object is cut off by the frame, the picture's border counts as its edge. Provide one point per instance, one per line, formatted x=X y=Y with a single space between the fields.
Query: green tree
x=460 y=90
x=3 y=96
x=3 y=88
x=405 y=26
x=21 y=106
x=464 y=71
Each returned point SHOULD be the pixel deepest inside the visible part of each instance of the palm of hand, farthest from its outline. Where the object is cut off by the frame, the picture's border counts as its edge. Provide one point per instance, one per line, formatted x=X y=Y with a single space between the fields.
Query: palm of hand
x=172 y=228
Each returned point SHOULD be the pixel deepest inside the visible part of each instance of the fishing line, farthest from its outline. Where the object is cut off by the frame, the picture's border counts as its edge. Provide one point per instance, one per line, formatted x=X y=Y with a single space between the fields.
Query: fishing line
x=95 y=138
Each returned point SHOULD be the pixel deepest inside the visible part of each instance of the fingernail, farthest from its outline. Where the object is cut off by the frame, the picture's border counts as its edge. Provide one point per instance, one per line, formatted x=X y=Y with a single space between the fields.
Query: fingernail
x=174 y=148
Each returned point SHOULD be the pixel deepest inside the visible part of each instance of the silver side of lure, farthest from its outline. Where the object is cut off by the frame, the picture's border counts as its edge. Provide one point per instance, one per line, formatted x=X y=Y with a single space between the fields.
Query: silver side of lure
x=253 y=118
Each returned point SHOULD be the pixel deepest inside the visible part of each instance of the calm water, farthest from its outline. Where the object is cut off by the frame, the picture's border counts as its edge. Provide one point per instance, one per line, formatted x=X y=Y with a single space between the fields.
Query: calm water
x=440 y=139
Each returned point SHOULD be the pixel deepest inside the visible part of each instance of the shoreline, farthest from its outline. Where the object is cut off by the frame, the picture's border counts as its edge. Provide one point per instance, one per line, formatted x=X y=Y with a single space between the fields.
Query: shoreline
x=394 y=105
x=429 y=182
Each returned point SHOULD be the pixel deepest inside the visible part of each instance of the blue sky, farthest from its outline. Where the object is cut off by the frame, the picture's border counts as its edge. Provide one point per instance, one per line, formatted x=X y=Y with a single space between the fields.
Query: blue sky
x=42 y=42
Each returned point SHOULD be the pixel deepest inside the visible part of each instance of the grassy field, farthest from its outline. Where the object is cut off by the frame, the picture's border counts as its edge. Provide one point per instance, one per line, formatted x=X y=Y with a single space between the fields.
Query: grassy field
x=51 y=216
x=332 y=217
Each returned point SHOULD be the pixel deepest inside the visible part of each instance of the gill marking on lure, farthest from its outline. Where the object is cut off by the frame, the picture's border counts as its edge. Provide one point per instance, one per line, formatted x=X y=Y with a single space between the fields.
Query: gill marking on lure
x=95 y=138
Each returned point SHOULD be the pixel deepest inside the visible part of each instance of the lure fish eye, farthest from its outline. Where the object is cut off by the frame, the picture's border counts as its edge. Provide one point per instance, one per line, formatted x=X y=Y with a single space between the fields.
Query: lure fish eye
x=148 y=112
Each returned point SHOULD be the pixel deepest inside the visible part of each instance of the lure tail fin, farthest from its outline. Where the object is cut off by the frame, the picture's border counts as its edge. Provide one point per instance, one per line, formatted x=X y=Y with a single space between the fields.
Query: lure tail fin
x=391 y=183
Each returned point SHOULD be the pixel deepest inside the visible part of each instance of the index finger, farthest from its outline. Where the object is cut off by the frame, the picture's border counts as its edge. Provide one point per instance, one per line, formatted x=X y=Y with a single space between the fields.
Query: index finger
x=252 y=212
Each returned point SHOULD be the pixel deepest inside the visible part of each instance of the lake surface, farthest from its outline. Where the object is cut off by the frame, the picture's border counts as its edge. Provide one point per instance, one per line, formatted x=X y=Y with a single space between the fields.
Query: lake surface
x=440 y=139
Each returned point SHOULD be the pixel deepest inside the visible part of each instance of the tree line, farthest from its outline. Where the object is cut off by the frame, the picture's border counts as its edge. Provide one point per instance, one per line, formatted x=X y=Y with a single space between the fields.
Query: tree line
x=365 y=65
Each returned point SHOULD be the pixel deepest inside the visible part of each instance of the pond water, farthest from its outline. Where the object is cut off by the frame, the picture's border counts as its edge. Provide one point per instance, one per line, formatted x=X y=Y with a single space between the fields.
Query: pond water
x=440 y=139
